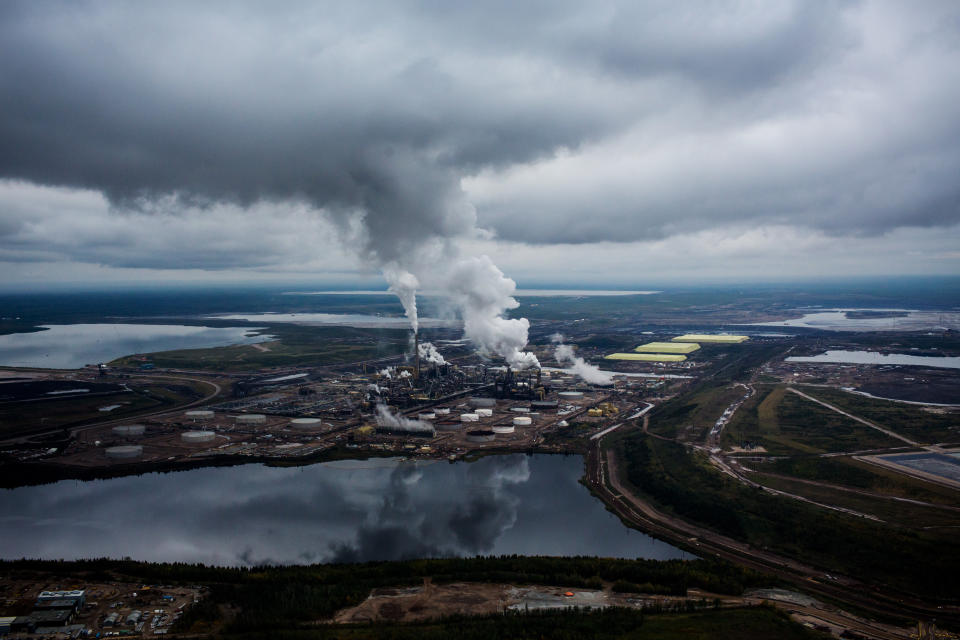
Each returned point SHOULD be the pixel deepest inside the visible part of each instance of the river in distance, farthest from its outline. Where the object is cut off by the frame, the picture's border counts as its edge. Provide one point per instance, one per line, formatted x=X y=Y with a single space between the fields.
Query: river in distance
x=344 y=511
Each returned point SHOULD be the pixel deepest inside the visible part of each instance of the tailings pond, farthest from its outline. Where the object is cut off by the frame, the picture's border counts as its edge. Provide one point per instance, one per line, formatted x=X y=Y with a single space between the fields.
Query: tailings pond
x=354 y=510
x=71 y=346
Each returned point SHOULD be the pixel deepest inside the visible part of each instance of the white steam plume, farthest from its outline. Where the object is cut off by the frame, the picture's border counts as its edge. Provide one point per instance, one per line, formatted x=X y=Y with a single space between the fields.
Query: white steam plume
x=404 y=284
x=386 y=418
x=482 y=294
x=578 y=366
x=429 y=353
x=387 y=373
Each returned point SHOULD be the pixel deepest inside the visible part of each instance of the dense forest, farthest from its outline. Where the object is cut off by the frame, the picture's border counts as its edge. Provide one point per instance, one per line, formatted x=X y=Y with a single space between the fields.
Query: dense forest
x=683 y=482
x=269 y=598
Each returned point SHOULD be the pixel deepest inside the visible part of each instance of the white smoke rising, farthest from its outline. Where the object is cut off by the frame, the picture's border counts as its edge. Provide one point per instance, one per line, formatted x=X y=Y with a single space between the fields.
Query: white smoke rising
x=387 y=373
x=404 y=284
x=386 y=418
x=405 y=374
x=482 y=294
x=578 y=366
x=429 y=353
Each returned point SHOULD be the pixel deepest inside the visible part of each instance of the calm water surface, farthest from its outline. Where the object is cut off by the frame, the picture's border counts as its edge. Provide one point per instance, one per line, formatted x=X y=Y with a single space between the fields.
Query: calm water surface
x=872 y=357
x=71 y=346
x=338 y=511
x=837 y=320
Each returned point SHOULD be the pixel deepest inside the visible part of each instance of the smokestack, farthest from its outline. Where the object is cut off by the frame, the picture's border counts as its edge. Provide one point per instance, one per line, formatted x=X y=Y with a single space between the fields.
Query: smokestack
x=416 y=354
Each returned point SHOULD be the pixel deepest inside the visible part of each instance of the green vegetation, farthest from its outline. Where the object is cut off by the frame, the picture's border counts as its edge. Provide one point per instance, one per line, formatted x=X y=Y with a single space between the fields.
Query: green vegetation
x=925 y=425
x=684 y=483
x=859 y=475
x=297 y=345
x=785 y=423
x=896 y=512
x=270 y=600
x=692 y=414
x=572 y=624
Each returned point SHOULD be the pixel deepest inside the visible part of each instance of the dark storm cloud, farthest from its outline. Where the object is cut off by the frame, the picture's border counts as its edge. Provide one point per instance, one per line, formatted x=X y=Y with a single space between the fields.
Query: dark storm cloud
x=577 y=122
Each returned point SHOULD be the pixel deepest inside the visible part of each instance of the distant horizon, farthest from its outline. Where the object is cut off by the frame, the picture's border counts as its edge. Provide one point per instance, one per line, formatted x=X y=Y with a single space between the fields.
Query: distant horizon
x=530 y=288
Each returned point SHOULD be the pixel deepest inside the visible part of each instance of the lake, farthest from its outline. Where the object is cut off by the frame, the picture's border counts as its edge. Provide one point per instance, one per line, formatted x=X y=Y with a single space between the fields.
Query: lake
x=872 y=357
x=837 y=320
x=71 y=346
x=356 y=510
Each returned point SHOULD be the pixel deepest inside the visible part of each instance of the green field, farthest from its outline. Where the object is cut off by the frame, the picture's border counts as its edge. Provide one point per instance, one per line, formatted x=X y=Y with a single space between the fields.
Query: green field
x=691 y=416
x=925 y=425
x=684 y=483
x=785 y=423
x=846 y=472
x=297 y=345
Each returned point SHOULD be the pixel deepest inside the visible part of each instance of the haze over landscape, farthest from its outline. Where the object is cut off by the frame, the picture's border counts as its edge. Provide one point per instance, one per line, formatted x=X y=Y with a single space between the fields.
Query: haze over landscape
x=431 y=320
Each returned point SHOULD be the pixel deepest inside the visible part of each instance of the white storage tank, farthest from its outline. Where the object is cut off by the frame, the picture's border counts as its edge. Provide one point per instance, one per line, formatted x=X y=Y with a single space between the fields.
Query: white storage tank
x=469 y=417
x=305 y=424
x=251 y=418
x=199 y=414
x=520 y=409
x=427 y=415
x=442 y=411
x=129 y=430
x=484 y=413
x=196 y=437
x=480 y=435
x=522 y=421
x=124 y=452
x=503 y=428
x=482 y=402
x=570 y=395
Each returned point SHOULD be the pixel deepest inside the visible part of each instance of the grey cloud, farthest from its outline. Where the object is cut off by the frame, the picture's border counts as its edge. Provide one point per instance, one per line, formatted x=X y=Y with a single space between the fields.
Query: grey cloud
x=372 y=115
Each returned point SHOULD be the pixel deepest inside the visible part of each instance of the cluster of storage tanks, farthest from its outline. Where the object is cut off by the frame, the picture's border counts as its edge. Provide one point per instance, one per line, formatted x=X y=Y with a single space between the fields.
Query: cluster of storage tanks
x=472 y=419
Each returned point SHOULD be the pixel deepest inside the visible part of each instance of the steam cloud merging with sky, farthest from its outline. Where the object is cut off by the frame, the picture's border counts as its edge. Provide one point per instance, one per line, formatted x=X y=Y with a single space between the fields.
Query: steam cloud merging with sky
x=578 y=366
x=764 y=140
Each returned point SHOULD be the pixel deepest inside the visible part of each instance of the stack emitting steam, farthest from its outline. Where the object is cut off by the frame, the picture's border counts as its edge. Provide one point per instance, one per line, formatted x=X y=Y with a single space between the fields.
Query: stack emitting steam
x=482 y=294
x=389 y=421
x=578 y=366
x=404 y=284
x=429 y=353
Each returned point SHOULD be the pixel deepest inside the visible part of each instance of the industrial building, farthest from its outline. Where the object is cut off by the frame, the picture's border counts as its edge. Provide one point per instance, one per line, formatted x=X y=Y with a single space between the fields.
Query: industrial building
x=711 y=338
x=668 y=347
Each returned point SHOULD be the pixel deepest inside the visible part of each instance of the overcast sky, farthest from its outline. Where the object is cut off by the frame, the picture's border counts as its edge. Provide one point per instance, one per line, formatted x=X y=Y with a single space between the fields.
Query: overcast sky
x=601 y=142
